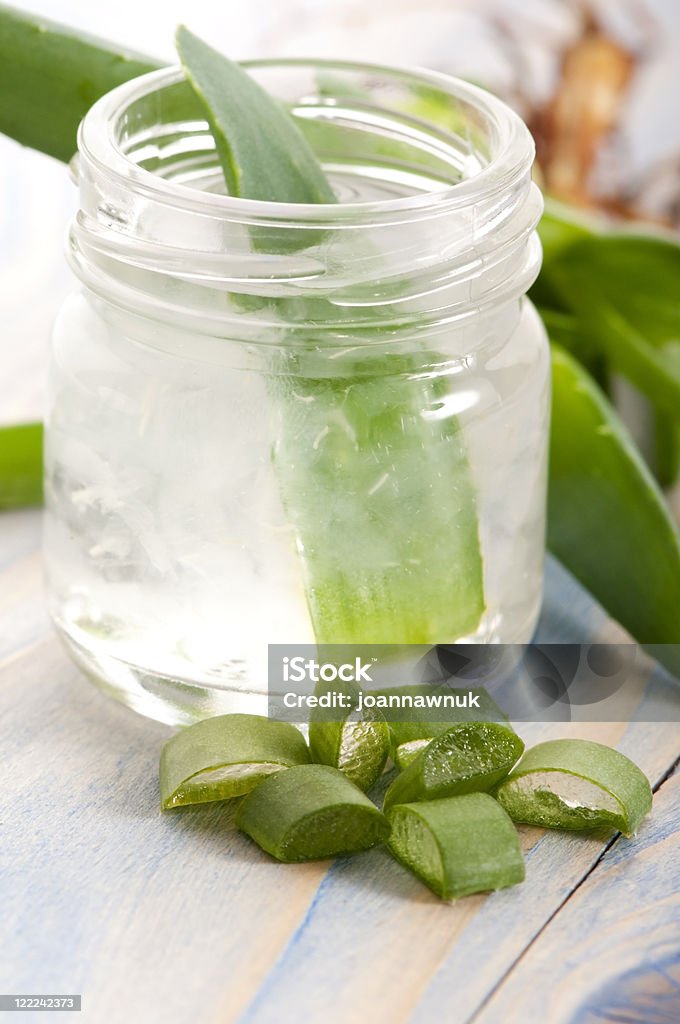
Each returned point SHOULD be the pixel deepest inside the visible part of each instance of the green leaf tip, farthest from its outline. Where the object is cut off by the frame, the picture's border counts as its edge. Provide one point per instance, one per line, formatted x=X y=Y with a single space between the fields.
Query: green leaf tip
x=263 y=154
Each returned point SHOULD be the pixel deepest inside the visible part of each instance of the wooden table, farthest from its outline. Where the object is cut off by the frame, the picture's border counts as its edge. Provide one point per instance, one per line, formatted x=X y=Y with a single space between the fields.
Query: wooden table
x=179 y=918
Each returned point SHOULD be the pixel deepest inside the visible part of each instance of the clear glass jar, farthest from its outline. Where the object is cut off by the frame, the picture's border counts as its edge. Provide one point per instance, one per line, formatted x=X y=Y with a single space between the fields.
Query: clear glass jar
x=277 y=423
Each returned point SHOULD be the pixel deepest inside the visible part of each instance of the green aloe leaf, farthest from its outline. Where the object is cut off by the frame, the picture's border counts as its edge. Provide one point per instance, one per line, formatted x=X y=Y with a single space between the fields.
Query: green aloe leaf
x=21 y=465
x=666 y=449
x=381 y=499
x=561 y=226
x=262 y=152
x=51 y=75
x=607 y=520
x=623 y=291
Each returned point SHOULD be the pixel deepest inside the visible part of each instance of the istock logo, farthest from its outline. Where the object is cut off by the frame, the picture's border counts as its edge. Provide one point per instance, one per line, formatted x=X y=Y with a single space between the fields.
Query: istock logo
x=299 y=669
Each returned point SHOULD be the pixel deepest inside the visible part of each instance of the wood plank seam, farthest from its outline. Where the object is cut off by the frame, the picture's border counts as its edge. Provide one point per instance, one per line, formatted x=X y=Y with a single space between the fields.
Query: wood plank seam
x=616 y=838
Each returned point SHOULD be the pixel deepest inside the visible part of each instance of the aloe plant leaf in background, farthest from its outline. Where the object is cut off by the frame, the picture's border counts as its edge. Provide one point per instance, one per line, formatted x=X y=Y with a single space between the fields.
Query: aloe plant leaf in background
x=607 y=521
x=51 y=75
x=21 y=465
x=623 y=290
x=613 y=299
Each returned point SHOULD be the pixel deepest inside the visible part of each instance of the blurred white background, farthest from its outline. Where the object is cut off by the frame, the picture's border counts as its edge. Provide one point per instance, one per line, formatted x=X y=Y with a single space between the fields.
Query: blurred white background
x=458 y=36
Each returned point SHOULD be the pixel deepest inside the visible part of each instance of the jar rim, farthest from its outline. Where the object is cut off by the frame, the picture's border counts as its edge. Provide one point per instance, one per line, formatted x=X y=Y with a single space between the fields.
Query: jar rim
x=512 y=151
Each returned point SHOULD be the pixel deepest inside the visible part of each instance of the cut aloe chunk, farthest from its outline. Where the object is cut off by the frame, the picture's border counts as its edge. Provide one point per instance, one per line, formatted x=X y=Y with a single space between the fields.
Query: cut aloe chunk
x=309 y=813
x=577 y=784
x=225 y=757
x=410 y=735
x=457 y=846
x=467 y=758
x=358 y=744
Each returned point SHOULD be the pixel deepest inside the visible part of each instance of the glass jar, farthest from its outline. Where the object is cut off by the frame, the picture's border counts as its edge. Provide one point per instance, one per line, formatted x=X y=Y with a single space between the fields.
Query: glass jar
x=275 y=423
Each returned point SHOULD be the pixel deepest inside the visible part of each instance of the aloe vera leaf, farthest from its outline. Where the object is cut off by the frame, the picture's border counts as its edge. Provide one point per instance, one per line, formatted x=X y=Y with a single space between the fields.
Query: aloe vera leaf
x=21 y=468
x=262 y=152
x=666 y=449
x=623 y=290
x=607 y=520
x=309 y=813
x=381 y=500
x=469 y=757
x=576 y=784
x=224 y=757
x=567 y=331
x=51 y=75
x=457 y=846
x=383 y=505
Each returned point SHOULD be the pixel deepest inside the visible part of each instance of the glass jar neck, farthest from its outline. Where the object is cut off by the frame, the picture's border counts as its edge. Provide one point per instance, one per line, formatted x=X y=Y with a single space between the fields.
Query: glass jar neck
x=436 y=219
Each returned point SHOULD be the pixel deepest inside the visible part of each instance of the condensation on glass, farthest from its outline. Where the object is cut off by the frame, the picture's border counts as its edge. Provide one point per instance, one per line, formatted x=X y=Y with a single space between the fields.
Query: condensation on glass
x=276 y=423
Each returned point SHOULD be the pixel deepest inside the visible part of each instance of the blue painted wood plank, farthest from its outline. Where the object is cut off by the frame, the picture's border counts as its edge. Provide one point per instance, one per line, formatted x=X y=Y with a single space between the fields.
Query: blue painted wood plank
x=180 y=918
x=613 y=952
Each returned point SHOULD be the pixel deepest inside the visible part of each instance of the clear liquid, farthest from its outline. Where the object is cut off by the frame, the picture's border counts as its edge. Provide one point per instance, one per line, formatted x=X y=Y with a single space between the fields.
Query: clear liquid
x=171 y=560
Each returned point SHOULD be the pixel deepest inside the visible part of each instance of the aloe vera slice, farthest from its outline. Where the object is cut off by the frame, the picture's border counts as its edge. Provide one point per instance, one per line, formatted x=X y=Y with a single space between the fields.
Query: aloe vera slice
x=576 y=784
x=357 y=744
x=309 y=813
x=382 y=501
x=457 y=846
x=467 y=758
x=51 y=75
x=381 y=498
x=412 y=733
x=224 y=757
x=21 y=468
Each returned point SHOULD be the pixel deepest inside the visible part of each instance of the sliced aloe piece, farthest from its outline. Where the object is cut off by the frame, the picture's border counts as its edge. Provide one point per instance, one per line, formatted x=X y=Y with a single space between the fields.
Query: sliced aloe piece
x=413 y=730
x=357 y=744
x=21 y=468
x=467 y=758
x=309 y=813
x=225 y=757
x=576 y=784
x=457 y=846
x=50 y=76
